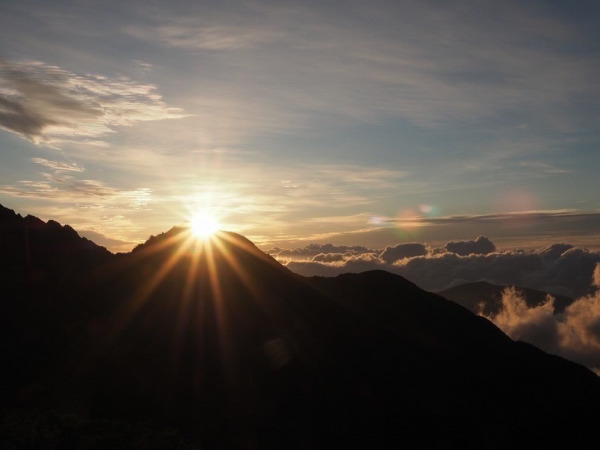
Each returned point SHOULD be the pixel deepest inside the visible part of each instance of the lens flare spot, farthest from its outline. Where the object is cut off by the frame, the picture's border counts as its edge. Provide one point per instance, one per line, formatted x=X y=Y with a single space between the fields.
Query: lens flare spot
x=408 y=218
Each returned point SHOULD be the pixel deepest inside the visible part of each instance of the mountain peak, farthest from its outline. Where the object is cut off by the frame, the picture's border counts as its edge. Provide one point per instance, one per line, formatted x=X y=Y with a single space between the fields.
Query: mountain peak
x=218 y=340
x=224 y=251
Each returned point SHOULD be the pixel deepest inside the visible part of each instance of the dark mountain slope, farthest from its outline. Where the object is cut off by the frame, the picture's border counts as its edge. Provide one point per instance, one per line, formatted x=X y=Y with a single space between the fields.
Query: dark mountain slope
x=47 y=273
x=486 y=298
x=218 y=341
x=35 y=252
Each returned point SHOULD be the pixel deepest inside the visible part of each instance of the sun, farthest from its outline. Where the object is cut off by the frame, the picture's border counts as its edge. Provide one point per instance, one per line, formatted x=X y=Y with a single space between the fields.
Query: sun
x=204 y=225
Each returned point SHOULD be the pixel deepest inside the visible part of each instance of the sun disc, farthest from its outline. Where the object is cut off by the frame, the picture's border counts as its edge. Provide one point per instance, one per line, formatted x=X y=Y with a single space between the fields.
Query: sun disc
x=204 y=225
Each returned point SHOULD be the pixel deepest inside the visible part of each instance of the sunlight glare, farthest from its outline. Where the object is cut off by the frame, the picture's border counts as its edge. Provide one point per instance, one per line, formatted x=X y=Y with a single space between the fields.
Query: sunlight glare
x=204 y=225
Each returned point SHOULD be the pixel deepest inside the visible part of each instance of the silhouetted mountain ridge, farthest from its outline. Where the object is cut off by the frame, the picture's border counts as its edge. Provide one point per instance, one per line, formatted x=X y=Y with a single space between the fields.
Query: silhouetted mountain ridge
x=36 y=251
x=161 y=237
x=218 y=341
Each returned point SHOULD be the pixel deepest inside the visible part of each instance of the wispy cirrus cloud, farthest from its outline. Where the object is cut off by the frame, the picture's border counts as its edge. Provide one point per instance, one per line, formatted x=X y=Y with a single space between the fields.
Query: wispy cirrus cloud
x=58 y=166
x=60 y=189
x=63 y=184
x=190 y=34
x=66 y=189
x=514 y=219
x=46 y=104
x=431 y=64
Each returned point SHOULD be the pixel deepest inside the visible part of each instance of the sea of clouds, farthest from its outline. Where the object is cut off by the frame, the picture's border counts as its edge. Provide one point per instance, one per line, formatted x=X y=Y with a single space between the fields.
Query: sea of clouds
x=560 y=269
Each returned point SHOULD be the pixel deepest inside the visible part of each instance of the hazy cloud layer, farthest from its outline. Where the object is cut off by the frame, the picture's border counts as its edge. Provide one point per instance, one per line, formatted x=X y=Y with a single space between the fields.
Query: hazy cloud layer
x=574 y=334
x=105 y=241
x=558 y=269
x=428 y=63
x=509 y=218
x=187 y=33
x=45 y=103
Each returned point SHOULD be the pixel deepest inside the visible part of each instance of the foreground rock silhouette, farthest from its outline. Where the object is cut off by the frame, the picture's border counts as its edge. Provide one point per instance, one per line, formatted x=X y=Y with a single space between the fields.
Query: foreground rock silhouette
x=188 y=344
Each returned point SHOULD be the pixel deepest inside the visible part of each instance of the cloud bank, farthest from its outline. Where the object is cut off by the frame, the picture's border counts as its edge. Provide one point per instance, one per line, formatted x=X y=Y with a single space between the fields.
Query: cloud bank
x=480 y=246
x=560 y=269
x=311 y=251
x=391 y=254
x=557 y=269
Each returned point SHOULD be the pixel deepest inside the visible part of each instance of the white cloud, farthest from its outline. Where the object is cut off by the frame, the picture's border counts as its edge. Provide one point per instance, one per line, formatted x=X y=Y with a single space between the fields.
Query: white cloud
x=536 y=325
x=58 y=166
x=48 y=104
x=574 y=334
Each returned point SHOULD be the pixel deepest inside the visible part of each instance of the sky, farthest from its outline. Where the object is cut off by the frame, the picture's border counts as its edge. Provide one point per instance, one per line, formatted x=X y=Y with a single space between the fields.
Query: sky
x=352 y=123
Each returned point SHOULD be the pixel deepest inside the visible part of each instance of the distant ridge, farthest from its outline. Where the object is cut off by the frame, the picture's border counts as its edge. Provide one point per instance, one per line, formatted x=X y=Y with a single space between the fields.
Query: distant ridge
x=482 y=297
x=213 y=344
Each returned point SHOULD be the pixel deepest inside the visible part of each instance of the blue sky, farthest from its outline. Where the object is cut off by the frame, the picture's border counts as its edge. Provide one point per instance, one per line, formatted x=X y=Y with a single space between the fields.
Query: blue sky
x=364 y=123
